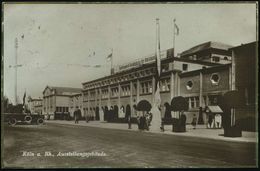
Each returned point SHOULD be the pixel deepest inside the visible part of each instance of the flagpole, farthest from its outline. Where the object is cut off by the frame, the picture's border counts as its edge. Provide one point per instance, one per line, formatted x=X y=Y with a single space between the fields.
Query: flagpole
x=111 y=62
x=174 y=37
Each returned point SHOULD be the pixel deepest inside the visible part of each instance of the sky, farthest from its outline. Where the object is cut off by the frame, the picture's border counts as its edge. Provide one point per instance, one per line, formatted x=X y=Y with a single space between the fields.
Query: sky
x=60 y=44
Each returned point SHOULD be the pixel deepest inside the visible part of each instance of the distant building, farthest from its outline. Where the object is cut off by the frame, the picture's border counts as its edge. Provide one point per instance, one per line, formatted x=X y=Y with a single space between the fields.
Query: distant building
x=35 y=105
x=76 y=101
x=56 y=100
x=210 y=51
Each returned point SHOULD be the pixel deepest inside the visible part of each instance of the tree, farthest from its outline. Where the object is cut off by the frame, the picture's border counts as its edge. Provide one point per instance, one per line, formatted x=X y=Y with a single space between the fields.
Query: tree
x=143 y=105
x=180 y=104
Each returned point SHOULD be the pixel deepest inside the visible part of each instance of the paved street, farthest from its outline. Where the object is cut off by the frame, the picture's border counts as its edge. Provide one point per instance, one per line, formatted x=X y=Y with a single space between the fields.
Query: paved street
x=122 y=148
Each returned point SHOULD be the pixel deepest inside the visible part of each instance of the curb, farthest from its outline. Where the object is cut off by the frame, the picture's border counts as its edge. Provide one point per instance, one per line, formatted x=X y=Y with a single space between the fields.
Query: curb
x=229 y=139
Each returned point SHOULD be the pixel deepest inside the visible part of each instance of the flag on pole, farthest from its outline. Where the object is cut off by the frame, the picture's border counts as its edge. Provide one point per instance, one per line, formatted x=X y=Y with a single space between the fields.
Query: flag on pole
x=177 y=29
x=24 y=98
x=157 y=97
x=156 y=120
x=109 y=57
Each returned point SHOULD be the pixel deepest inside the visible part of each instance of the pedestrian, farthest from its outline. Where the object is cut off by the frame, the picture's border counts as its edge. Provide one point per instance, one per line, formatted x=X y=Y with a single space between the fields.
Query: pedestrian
x=137 y=114
x=218 y=120
x=194 y=121
x=101 y=114
x=142 y=122
x=128 y=117
x=77 y=114
x=210 y=120
x=148 y=118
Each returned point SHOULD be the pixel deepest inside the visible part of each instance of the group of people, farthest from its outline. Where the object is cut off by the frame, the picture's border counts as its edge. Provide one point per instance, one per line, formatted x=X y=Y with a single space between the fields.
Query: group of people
x=144 y=120
x=214 y=121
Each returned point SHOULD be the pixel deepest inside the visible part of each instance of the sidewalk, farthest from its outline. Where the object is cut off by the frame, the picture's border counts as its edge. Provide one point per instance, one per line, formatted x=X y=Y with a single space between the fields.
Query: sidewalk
x=201 y=130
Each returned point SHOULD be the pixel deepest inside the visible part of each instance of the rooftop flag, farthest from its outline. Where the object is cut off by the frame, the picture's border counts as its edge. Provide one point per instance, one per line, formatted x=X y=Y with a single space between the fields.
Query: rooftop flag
x=176 y=28
x=109 y=57
x=24 y=98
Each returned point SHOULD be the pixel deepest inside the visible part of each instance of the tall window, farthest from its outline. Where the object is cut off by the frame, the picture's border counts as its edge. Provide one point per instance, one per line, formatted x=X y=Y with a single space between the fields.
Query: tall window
x=194 y=102
x=165 y=84
x=125 y=90
x=114 y=92
x=104 y=93
x=146 y=87
x=134 y=89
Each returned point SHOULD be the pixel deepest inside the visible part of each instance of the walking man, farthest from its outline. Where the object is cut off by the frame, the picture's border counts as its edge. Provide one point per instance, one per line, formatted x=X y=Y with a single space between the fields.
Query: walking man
x=77 y=112
x=194 y=121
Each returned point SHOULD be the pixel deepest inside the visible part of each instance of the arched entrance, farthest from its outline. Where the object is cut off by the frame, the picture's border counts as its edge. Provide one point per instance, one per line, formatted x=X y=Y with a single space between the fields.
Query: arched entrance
x=128 y=110
x=115 y=113
x=105 y=113
x=97 y=113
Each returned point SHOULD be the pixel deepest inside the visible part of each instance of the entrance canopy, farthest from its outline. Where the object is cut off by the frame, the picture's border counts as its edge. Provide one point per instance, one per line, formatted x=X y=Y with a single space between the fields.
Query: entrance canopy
x=214 y=109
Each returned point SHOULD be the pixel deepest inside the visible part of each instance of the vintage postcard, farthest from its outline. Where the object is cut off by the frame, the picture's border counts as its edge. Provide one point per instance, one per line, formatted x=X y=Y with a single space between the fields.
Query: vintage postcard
x=129 y=85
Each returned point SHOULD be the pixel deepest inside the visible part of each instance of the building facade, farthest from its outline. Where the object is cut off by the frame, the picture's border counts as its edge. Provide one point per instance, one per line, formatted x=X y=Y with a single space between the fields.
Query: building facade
x=56 y=101
x=35 y=105
x=134 y=82
x=76 y=101
x=245 y=80
x=215 y=52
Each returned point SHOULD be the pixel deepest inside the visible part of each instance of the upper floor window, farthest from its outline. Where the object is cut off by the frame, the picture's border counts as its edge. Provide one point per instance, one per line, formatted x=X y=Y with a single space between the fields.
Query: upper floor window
x=165 y=68
x=215 y=58
x=104 y=93
x=184 y=67
x=165 y=84
x=125 y=90
x=114 y=92
x=146 y=87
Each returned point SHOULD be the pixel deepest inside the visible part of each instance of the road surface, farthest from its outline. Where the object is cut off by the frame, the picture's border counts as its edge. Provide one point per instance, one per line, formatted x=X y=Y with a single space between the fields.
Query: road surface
x=118 y=148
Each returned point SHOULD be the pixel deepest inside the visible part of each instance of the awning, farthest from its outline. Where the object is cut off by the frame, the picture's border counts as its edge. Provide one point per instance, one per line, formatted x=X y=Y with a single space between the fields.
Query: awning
x=214 y=109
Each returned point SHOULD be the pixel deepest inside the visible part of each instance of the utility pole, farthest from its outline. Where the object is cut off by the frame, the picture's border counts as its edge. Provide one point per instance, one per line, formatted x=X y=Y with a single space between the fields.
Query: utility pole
x=15 y=72
x=174 y=37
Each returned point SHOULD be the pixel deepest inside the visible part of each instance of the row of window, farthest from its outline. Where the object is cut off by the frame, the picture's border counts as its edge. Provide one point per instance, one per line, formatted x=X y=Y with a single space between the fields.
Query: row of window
x=145 y=87
x=207 y=100
x=146 y=72
x=62 y=109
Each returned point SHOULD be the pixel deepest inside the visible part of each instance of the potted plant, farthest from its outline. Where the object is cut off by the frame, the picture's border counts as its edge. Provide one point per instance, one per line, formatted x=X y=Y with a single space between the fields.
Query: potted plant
x=179 y=104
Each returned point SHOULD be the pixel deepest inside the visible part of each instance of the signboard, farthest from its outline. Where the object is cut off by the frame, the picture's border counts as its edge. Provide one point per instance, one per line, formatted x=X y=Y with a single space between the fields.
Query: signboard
x=140 y=62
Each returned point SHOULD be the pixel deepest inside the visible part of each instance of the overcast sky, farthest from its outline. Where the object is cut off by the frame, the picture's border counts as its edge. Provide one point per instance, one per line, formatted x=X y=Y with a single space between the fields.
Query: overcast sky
x=50 y=36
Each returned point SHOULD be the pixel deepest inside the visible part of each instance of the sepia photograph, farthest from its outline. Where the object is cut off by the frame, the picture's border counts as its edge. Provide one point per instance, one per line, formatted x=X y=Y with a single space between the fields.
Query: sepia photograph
x=129 y=85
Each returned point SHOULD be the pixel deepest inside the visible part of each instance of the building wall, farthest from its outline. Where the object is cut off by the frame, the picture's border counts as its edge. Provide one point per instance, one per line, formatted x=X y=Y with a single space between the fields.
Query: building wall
x=223 y=83
x=195 y=88
x=191 y=66
x=245 y=64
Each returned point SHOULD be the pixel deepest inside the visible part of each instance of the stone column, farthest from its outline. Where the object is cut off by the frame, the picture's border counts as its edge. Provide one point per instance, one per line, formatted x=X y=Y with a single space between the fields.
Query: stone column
x=131 y=97
x=137 y=90
x=119 y=97
x=201 y=90
x=172 y=83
